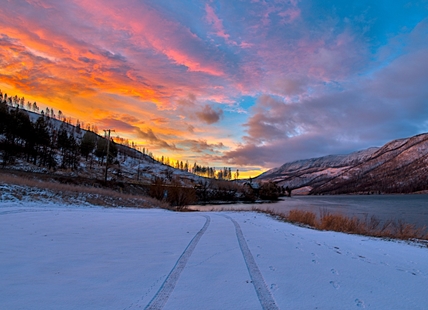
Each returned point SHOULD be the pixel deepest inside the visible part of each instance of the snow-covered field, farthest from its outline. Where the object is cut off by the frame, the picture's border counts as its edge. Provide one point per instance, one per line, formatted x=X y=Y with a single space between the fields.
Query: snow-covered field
x=81 y=257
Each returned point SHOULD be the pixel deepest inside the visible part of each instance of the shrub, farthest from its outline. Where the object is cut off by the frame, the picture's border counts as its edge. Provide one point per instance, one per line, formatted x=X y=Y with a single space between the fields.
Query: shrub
x=180 y=196
x=269 y=191
x=157 y=188
x=302 y=217
x=353 y=225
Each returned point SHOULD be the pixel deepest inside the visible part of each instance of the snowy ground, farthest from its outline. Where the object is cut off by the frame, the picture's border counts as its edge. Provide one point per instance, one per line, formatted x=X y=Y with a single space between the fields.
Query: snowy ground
x=71 y=257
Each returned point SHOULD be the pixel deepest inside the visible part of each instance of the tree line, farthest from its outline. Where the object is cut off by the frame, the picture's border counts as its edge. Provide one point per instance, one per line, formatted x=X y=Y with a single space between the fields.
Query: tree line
x=203 y=171
x=213 y=173
x=46 y=143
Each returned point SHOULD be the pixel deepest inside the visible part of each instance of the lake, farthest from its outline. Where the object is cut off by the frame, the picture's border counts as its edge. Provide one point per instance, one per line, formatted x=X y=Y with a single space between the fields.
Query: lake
x=411 y=209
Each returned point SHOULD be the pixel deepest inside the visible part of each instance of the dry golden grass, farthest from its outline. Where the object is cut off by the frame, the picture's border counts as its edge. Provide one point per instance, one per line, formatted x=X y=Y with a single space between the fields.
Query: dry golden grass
x=337 y=222
x=353 y=225
x=74 y=193
x=302 y=217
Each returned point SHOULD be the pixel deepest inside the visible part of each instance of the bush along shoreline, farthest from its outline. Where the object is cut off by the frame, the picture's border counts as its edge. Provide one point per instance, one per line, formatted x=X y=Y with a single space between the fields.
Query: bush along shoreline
x=370 y=226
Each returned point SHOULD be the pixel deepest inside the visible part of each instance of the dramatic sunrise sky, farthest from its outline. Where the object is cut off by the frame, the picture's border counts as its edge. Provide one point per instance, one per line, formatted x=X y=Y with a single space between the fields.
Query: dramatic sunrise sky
x=239 y=83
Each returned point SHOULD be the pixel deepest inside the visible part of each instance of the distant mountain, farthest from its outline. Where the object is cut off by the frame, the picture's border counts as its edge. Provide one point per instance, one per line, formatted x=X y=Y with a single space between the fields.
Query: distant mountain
x=400 y=166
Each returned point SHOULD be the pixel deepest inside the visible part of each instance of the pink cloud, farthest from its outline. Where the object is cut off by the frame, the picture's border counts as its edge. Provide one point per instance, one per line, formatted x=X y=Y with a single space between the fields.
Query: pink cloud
x=290 y=15
x=217 y=24
x=184 y=59
x=142 y=59
x=148 y=28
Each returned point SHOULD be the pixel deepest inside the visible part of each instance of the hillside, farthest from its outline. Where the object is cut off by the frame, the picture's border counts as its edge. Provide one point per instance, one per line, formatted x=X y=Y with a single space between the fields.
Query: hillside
x=399 y=166
x=39 y=143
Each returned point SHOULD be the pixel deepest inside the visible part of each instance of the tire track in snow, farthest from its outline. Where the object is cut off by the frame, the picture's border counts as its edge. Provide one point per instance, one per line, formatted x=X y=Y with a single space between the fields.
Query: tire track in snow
x=265 y=297
x=162 y=295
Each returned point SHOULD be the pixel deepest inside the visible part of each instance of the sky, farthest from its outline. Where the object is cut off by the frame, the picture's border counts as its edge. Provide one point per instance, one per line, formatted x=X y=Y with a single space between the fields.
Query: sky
x=245 y=84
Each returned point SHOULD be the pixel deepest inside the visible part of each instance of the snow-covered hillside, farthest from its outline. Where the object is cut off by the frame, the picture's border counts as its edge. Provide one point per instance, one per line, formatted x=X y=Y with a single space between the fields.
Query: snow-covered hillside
x=397 y=167
x=128 y=165
x=330 y=161
x=54 y=256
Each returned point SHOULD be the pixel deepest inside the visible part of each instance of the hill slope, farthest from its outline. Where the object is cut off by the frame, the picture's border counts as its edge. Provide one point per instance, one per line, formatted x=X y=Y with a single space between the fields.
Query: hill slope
x=37 y=143
x=399 y=166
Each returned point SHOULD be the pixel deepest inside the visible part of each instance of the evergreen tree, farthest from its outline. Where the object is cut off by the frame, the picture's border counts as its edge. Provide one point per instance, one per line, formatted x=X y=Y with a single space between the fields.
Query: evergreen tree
x=101 y=149
x=73 y=154
x=63 y=144
x=17 y=129
x=112 y=153
x=88 y=144
x=42 y=142
x=4 y=116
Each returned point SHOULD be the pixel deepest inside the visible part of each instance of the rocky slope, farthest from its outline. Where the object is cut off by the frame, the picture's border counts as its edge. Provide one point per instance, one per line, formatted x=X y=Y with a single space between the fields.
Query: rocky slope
x=400 y=166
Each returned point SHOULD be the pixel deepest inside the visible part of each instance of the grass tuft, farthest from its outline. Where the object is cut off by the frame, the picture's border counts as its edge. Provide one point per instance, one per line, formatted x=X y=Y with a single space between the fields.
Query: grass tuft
x=302 y=217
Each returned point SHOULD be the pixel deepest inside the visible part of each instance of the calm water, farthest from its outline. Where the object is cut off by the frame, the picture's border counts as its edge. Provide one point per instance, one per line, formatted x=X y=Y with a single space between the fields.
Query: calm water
x=409 y=208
